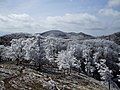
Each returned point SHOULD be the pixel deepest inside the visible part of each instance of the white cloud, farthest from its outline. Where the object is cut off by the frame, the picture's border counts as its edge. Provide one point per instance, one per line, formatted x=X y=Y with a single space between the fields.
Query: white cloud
x=113 y=3
x=109 y=12
x=74 y=18
x=18 y=23
x=110 y=18
x=77 y=22
x=107 y=21
x=68 y=22
x=20 y=17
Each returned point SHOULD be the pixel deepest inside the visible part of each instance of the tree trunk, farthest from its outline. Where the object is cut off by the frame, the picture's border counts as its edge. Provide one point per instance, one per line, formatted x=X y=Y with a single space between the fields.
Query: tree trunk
x=40 y=67
x=17 y=61
x=109 y=84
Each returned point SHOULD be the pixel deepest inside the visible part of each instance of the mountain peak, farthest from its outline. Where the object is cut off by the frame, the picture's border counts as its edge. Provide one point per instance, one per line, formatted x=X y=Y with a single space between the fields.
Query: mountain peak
x=54 y=33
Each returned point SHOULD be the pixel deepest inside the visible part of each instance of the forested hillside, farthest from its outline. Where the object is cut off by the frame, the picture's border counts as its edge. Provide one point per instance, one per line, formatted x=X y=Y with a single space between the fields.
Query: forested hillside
x=47 y=53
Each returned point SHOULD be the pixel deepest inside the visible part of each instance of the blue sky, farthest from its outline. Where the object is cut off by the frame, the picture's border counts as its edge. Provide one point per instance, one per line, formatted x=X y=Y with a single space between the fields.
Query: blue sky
x=51 y=7
x=95 y=17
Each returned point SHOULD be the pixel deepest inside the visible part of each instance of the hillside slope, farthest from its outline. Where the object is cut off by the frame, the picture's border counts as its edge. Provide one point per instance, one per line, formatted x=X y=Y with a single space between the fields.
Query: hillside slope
x=55 y=33
x=113 y=37
x=79 y=36
x=5 y=39
x=12 y=78
x=64 y=35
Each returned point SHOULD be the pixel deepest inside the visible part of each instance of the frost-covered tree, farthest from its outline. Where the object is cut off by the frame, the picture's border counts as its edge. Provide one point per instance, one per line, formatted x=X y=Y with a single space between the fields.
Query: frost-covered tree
x=51 y=48
x=90 y=52
x=8 y=54
x=102 y=68
x=35 y=51
x=41 y=52
x=27 y=47
x=93 y=57
x=66 y=60
x=88 y=61
x=2 y=47
x=17 y=49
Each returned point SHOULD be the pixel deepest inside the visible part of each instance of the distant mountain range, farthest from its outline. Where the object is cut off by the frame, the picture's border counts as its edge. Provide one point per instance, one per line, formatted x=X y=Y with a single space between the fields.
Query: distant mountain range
x=64 y=35
x=4 y=33
x=5 y=39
